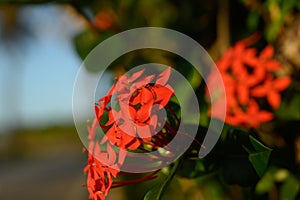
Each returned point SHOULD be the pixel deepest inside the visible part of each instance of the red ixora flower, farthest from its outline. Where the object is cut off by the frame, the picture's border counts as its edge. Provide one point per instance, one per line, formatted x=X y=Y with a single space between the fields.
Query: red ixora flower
x=249 y=76
x=131 y=110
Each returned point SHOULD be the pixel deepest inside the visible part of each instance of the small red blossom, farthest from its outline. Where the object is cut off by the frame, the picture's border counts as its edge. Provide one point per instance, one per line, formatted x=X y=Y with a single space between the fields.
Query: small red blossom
x=100 y=174
x=99 y=179
x=105 y=20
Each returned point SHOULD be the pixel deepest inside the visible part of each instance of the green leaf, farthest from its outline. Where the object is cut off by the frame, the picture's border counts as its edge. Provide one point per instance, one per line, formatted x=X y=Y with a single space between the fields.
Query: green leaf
x=153 y=194
x=260 y=161
x=253 y=20
x=271 y=177
x=260 y=158
x=245 y=160
x=236 y=167
x=290 y=108
x=290 y=188
x=272 y=30
x=85 y=42
x=193 y=168
x=157 y=192
x=266 y=183
x=287 y=6
x=289 y=184
x=297 y=4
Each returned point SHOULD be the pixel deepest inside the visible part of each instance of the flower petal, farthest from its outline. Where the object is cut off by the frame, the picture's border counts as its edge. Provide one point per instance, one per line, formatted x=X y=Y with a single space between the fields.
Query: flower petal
x=99 y=109
x=274 y=99
x=143 y=96
x=163 y=77
x=267 y=52
x=112 y=156
x=163 y=95
x=140 y=83
x=136 y=75
x=272 y=65
x=143 y=113
x=258 y=75
x=265 y=116
x=259 y=91
x=238 y=69
x=134 y=144
x=144 y=132
x=282 y=83
x=122 y=156
x=253 y=108
x=243 y=94
x=111 y=118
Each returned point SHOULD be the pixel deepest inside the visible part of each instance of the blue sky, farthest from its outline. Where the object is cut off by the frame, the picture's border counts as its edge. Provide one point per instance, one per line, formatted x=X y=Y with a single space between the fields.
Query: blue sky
x=48 y=65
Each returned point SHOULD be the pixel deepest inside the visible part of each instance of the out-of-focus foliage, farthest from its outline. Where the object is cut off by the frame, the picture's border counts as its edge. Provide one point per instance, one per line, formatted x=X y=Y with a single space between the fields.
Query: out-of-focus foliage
x=274 y=14
x=290 y=184
x=261 y=162
x=241 y=157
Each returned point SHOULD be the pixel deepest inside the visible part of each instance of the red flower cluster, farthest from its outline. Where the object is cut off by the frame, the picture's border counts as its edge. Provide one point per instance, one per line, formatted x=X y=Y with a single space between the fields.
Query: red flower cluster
x=247 y=78
x=131 y=124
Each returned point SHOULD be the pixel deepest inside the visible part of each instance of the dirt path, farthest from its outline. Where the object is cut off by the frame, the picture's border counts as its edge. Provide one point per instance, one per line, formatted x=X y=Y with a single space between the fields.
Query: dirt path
x=55 y=177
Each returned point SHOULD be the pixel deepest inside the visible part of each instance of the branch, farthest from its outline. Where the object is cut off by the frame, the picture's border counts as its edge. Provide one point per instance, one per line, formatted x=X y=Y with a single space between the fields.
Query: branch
x=40 y=1
x=223 y=30
x=223 y=35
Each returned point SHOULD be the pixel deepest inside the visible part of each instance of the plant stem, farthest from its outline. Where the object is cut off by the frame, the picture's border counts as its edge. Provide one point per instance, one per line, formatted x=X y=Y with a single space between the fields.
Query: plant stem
x=177 y=163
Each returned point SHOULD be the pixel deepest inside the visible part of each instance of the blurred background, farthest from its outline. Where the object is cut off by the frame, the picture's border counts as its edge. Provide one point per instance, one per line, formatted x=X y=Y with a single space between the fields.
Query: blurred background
x=42 y=45
x=40 y=152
